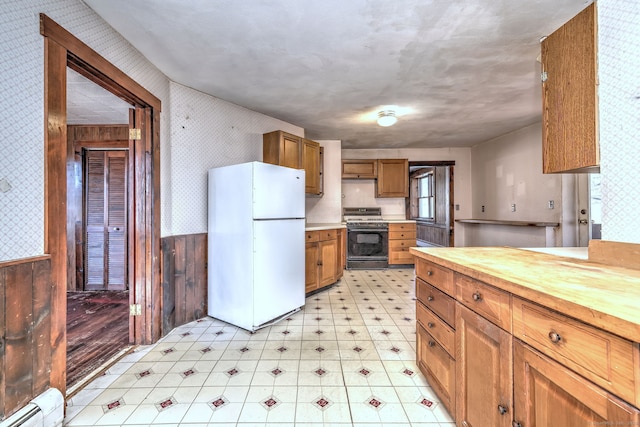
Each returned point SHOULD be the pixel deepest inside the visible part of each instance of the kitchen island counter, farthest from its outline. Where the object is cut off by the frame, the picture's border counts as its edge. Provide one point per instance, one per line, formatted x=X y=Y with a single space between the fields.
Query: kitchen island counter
x=600 y=295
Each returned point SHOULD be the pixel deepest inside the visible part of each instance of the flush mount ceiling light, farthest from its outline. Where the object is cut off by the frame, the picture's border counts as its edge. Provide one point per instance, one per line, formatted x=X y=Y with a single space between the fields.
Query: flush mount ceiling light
x=387 y=118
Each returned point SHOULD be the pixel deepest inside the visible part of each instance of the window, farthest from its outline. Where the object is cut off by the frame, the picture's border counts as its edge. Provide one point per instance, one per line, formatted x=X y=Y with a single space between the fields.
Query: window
x=426 y=196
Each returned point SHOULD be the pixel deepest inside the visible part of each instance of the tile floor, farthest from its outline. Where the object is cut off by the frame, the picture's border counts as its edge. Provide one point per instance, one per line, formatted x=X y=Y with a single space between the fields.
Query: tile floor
x=346 y=359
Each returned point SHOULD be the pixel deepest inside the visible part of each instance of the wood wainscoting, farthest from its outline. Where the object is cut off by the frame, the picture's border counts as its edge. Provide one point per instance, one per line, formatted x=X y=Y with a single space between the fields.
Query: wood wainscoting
x=432 y=234
x=184 y=279
x=25 y=331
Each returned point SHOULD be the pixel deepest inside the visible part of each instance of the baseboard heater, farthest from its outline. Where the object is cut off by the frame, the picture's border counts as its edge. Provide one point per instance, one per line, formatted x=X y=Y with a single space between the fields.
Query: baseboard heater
x=46 y=410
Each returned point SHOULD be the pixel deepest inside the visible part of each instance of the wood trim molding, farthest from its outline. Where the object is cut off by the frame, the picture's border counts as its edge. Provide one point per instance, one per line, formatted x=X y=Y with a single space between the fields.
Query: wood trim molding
x=11 y=263
x=95 y=67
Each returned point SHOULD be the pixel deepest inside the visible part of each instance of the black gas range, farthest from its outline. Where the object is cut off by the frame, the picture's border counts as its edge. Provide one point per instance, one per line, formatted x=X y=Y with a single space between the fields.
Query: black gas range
x=367 y=238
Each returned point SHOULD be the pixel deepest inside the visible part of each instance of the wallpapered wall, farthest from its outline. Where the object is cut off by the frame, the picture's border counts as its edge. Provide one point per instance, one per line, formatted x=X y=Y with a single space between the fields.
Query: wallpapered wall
x=619 y=110
x=207 y=132
x=22 y=104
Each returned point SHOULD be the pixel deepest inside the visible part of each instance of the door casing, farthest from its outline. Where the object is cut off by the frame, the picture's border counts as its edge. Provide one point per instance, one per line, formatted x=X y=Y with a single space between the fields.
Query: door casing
x=62 y=49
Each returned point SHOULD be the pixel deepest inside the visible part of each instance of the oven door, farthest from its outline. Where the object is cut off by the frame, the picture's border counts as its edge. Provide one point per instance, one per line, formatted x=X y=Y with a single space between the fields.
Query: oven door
x=367 y=248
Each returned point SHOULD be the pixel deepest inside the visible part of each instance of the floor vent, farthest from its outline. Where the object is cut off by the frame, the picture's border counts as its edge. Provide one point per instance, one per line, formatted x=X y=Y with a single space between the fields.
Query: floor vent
x=46 y=410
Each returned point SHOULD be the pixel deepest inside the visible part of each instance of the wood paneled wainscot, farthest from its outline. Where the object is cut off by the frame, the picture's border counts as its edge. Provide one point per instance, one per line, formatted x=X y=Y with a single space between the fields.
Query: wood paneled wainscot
x=402 y=236
x=324 y=255
x=540 y=340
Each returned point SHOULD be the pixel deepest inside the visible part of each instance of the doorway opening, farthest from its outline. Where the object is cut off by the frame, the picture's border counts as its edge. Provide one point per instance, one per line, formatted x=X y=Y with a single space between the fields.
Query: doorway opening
x=430 y=202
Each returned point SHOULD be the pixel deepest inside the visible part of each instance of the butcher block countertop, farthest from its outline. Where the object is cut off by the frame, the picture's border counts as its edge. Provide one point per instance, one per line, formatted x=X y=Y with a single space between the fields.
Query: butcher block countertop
x=604 y=296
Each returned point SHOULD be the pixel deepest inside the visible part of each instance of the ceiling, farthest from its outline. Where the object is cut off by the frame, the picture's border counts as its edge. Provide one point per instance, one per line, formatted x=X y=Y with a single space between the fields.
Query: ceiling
x=462 y=71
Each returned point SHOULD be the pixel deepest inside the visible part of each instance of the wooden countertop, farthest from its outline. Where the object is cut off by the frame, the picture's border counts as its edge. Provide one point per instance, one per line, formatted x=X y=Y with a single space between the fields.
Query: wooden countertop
x=601 y=295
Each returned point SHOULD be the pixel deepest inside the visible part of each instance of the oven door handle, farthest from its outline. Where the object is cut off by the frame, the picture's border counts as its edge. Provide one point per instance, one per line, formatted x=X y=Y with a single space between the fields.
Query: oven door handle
x=375 y=230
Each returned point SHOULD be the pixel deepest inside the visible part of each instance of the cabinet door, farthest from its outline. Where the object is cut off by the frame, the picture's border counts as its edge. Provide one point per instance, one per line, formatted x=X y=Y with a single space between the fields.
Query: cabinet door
x=548 y=394
x=484 y=374
x=311 y=160
x=311 y=267
x=569 y=95
x=360 y=168
x=282 y=148
x=328 y=261
x=393 y=178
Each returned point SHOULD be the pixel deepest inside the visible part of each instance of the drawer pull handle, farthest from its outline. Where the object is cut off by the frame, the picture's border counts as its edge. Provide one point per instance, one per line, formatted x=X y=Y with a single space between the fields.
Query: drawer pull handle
x=429 y=273
x=555 y=337
x=476 y=296
x=431 y=325
x=431 y=343
x=502 y=409
x=429 y=298
x=516 y=424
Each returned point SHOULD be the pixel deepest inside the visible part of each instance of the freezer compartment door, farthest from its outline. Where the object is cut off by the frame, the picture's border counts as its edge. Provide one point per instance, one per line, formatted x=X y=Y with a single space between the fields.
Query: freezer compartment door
x=278 y=192
x=279 y=268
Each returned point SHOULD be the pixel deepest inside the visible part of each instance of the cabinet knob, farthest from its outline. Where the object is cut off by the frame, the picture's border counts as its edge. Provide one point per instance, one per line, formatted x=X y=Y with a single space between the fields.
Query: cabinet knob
x=429 y=273
x=431 y=325
x=431 y=343
x=429 y=298
x=555 y=337
x=502 y=409
x=476 y=296
x=516 y=424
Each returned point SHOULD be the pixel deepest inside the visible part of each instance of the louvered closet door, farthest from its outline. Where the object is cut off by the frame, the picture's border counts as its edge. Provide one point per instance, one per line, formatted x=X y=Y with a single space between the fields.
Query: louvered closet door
x=106 y=220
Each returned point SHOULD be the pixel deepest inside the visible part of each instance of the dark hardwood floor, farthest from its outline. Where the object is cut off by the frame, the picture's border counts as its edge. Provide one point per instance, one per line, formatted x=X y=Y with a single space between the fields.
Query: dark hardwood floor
x=97 y=329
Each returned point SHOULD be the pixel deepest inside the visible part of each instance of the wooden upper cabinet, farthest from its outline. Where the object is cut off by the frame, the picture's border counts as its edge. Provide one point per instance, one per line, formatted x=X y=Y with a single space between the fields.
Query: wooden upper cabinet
x=360 y=168
x=569 y=96
x=285 y=149
x=282 y=148
x=393 y=178
x=311 y=159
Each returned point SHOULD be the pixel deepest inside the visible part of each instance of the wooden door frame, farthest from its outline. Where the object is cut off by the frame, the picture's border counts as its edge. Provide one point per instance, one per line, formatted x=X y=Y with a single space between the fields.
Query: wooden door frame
x=62 y=49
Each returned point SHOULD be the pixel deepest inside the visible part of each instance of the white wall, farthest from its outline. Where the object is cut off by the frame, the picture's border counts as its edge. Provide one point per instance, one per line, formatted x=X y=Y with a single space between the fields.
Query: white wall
x=357 y=193
x=207 y=132
x=328 y=208
x=505 y=171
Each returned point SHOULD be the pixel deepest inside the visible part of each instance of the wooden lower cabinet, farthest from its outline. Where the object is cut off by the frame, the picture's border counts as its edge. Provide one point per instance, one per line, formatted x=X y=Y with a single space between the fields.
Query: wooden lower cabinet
x=402 y=236
x=549 y=394
x=438 y=367
x=484 y=372
x=517 y=363
x=323 y=265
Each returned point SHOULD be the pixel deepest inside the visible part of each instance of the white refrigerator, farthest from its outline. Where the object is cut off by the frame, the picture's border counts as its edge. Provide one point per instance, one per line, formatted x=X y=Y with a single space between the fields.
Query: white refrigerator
x=256 y=259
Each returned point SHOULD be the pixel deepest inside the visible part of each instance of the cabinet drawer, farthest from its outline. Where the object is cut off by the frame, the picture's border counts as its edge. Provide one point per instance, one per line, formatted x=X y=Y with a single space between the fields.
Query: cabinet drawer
x=401 y=244
x=439 y=277
x=442 y=332
x=408 y=234
x=437 y=301
x=490 y=302
x=401 y=227
x=400 y=256
x=605 y=359
x=311 y=236
x=327 y=234
x=438 y=367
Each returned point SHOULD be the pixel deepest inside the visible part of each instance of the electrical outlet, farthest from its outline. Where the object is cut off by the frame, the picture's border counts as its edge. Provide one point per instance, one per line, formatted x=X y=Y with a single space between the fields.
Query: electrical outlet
x=551 y=204
x=513 y=207
x=457 y=207
x=482 y=208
